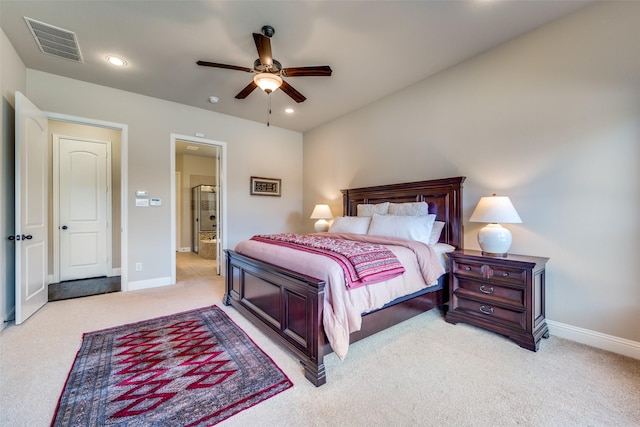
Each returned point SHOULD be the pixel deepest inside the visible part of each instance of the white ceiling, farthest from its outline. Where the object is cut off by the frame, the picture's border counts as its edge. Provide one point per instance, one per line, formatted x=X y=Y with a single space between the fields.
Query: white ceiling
x=375 y=48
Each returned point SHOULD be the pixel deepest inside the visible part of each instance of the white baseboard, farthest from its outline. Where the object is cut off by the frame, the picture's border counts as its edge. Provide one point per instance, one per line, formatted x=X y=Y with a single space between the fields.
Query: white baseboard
x=595 y=339
x=146 y=284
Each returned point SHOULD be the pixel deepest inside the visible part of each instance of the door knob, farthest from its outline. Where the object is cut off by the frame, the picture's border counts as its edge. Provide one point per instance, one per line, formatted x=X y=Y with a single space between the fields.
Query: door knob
x=64 y=227
x=21 y=237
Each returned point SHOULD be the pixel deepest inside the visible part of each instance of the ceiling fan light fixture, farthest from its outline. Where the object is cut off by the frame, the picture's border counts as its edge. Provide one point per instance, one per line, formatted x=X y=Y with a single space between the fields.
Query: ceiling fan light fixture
x=267 y=82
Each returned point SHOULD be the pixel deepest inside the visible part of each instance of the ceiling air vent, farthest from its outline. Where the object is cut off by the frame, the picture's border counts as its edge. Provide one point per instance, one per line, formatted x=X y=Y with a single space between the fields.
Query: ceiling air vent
x=55 y=41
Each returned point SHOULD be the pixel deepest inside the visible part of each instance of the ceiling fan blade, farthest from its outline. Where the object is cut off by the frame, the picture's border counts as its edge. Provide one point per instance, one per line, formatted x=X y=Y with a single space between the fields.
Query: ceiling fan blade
x=246 y=91
x=229 y=67
x=263 y=44
x=322 y=70
x=294 y=94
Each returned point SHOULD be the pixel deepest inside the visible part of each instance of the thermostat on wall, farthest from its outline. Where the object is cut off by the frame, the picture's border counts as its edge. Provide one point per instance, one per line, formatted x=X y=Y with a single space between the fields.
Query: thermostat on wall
x=141 y=193
x=156 y=202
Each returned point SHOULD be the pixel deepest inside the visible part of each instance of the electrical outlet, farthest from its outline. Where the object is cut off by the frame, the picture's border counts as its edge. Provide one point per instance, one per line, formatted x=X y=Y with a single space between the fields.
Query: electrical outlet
x=138 y=266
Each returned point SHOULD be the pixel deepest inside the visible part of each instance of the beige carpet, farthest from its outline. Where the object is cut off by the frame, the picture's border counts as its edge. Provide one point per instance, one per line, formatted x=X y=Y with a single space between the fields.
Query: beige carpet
x=422 y=372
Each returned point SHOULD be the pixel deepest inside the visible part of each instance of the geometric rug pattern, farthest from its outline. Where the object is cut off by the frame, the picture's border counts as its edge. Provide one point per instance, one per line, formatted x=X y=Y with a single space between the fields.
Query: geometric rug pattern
x=195 y=368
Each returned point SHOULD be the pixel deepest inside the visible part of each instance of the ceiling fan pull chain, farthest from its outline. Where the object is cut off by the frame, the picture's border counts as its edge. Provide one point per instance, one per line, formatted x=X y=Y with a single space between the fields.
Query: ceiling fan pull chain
x=269 y=115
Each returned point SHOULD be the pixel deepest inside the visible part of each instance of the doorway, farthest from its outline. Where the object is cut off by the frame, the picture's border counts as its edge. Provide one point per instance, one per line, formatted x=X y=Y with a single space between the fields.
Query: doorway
x=198 y=168
x=93 y=152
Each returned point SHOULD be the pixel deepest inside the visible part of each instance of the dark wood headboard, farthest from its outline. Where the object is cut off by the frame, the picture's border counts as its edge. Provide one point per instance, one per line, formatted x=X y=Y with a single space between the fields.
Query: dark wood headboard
x=444 y=197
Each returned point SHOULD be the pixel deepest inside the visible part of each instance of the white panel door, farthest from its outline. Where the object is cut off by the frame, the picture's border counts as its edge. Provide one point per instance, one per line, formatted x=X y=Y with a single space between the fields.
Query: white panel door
x=31 y=209
x=83 y=208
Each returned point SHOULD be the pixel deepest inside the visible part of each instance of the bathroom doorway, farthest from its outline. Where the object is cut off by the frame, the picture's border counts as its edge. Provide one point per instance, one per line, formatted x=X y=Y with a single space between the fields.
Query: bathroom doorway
x=198 y=199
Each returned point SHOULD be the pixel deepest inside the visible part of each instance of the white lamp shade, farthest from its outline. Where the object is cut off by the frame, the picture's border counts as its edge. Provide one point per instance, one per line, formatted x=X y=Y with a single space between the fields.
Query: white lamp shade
x=494 y=239
x=497 y=209
x=322 y=213
x=267 y=82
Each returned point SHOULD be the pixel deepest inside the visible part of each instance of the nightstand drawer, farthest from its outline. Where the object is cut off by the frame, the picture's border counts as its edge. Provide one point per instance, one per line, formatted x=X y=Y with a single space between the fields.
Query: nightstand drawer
x=492 y=291
x=491 y=313
x=481 y=270
x=469 y=269
x=511 y=275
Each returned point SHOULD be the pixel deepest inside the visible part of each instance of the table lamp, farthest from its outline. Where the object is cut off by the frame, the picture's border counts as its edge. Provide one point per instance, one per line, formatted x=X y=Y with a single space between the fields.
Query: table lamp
x=322 y=213
x=493 y=238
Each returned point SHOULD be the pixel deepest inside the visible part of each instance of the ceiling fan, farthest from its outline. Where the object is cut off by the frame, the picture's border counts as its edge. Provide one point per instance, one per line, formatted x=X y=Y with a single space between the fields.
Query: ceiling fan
x=269 y=72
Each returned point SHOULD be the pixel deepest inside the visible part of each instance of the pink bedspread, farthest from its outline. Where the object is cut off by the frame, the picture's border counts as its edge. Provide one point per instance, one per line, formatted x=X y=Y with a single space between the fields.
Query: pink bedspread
x=363 y=263
x=343 y=308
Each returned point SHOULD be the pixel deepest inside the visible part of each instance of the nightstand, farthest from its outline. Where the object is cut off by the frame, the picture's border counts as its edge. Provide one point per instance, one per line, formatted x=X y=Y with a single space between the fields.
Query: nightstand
x=501 y=294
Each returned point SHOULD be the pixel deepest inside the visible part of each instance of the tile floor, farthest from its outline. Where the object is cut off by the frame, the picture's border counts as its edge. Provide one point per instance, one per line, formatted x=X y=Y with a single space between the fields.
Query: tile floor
x=190 y=266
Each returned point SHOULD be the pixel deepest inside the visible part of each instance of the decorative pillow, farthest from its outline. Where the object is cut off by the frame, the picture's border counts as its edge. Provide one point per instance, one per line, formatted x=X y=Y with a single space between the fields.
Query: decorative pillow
x=416 y=228
x=371 y=210
x=413 y=208
x=436 y=231
x=350 y=224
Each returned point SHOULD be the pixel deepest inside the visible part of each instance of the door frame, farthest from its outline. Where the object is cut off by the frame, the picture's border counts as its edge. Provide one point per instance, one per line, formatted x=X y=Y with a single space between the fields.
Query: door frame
x=56 y=203
x=124 y=183
x=223 y=188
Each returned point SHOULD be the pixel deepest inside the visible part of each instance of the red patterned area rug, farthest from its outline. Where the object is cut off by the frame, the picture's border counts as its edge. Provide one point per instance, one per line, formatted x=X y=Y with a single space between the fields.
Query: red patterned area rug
x=189 y=369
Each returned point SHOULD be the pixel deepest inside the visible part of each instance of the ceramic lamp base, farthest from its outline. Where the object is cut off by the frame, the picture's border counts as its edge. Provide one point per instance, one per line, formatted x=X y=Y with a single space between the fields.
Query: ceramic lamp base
x=321 y=225
x=494 y=240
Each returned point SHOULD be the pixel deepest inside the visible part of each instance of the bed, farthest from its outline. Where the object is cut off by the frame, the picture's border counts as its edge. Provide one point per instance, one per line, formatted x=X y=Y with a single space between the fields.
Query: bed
x=288 y=305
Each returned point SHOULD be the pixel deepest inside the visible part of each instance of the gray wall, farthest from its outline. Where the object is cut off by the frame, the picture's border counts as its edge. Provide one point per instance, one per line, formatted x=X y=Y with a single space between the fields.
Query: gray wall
x=551 y=119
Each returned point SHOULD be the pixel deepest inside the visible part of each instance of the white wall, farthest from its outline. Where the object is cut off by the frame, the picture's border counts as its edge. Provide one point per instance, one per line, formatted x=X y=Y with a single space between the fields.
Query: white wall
x=551 y=119
x=253 y=149
x=12 y=79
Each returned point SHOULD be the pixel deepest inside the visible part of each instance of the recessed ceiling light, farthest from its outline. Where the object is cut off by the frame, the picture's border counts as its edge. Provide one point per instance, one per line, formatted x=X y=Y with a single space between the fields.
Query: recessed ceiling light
x=114 y=60
x=288 y=110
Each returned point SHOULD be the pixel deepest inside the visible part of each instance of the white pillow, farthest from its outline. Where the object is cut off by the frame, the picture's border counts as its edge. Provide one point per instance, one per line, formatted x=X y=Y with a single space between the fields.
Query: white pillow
x=371 y=210
x=350 y=224
x=436 y=231
x=416 y=228
x=412 y=208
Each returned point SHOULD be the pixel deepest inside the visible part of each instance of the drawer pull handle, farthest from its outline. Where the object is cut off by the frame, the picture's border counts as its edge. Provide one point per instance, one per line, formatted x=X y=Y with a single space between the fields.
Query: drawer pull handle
x=484 y=290
x=505 y=274
x=484 y=310
x=467 y=268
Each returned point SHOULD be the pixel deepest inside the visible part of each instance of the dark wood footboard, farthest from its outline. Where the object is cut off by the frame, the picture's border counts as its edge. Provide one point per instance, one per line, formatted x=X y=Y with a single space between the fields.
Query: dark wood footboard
x=284 y=304
x=288 y=307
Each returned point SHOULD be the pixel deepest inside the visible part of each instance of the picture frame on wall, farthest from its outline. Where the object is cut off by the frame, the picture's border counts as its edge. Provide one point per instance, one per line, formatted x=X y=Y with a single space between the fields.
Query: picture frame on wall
x=265 y=186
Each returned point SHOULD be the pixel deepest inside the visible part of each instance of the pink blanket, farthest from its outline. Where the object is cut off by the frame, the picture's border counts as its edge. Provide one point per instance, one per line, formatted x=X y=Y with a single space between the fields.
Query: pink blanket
x=363 y=263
